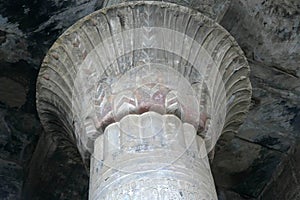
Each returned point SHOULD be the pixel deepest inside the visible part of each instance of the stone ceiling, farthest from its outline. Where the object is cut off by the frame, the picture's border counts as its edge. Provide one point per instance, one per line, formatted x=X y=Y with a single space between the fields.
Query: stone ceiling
x=260 y=162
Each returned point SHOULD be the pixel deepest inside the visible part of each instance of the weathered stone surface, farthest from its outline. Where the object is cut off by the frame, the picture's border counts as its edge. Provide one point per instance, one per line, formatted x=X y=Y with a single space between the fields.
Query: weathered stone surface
x=150 y=156
x=271 y=119
x=11 y=93
x=225 y=194
x=244 y=167
x=29 y=28
x=18 y=136
x=11 y=180
x=268 y=31
x=215 y=56
x=275 y=85
x=70 y=180
x=287 y=180
x=259 y=152
x=215 y=9
x=18 y=85
x=269 y=39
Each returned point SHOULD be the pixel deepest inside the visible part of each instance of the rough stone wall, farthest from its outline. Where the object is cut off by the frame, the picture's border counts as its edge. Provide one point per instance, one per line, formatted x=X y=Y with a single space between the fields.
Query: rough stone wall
x=287 y=185
x=256 y=163
x=18 y=135
x=268 y=31
x=55 y=172
x=259 y=162
x=27 y=30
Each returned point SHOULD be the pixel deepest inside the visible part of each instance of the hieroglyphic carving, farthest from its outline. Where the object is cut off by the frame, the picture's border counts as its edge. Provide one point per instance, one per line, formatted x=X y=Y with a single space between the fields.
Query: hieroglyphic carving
x=150 y=156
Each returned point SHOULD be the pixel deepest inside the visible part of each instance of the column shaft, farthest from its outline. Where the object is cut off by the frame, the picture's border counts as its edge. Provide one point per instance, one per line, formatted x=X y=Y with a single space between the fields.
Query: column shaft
x=150 y=156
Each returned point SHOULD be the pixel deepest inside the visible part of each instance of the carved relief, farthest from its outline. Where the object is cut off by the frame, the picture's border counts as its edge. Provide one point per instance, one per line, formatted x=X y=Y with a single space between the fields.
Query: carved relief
x=114 y=77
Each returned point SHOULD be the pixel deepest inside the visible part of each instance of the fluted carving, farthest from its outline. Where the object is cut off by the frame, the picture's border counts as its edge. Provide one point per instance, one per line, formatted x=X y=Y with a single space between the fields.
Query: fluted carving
x=101 y=47
x=146 y=88
x=215 y=9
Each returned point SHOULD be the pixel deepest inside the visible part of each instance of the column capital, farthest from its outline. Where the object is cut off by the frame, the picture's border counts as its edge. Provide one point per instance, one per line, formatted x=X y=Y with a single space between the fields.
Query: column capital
x=75 y=87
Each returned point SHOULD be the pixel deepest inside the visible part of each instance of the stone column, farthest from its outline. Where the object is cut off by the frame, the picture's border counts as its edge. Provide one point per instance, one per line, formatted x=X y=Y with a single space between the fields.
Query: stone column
x=155 y=153
x=150 y=156
x=145 y=89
